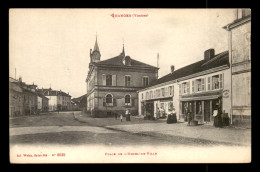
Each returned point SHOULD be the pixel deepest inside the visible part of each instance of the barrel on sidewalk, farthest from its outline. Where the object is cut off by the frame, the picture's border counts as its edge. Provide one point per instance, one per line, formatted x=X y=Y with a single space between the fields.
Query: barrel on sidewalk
x=172 y=118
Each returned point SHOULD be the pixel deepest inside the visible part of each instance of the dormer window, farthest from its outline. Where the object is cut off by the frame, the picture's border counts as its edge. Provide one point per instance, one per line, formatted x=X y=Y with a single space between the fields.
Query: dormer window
x=127 y=61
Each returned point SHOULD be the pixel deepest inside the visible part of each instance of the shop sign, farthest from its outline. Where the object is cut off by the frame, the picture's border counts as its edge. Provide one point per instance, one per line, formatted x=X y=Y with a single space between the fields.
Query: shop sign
x=225 y=93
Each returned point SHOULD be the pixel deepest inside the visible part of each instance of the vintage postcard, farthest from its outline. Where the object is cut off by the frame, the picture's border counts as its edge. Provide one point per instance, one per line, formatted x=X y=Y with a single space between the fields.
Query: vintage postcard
x=130 y=85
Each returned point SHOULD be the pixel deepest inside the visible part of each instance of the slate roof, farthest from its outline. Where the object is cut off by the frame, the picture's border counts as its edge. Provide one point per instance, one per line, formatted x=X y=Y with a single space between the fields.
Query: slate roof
x=23 y=86
x=118 y=61
x=50 y=92
x=237 y=20
x=96 y=48
x=41 y=95
x=218 y=60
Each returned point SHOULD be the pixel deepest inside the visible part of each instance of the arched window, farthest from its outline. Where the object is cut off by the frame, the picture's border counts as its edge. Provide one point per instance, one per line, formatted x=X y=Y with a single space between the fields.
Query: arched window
x=109 y=98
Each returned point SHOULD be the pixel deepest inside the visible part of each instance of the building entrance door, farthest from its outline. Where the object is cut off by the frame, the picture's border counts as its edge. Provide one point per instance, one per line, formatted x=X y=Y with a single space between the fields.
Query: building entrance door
x=150 y=108
x=207 y=111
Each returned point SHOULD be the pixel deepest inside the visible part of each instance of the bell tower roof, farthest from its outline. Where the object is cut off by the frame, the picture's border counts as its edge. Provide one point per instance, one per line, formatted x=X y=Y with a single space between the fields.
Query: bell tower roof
x=123 y=51
x=96 y=48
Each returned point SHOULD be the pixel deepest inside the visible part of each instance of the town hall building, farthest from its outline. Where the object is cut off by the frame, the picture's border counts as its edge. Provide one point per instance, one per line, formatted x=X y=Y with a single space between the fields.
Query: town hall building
x=112 y=84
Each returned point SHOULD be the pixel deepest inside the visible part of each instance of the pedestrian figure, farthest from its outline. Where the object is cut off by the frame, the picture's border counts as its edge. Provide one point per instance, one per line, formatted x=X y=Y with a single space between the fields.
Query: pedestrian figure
x=121 y=117
x=189 y=118
x=217 y=114
x=115 y=116
x=127 y=114
x=186 y=113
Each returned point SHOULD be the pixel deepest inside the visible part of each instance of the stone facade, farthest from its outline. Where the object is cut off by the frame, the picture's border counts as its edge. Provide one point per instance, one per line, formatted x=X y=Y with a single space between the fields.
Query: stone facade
x=112 y=84
x=22 y=98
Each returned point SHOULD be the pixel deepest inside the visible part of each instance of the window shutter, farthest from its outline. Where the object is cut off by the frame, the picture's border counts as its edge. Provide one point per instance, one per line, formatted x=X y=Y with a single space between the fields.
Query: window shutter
x=203 y=84
x=104 y=101
x=113 y=80
x=192 y=86
x=173 y=90
x=188 y=87
x=143 y=81
x=209 y=83
x=103 y=79
x=180 y=89
x=221 y=80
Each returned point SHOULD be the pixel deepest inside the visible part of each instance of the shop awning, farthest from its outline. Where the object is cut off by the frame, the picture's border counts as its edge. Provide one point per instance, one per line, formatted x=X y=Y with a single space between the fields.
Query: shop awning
x=160 y=99
x=202 y=96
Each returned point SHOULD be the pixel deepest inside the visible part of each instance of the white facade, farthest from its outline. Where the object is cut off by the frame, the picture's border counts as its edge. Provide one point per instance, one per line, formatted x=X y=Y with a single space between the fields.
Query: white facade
x=155 y=94
x=203 y=90
x=52 y=103
x=39 y=100
x=202 y=93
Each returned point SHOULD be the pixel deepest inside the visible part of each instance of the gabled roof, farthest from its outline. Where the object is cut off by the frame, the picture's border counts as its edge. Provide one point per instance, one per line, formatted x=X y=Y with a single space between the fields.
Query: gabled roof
x=118 y=61
x=63 y=94
x=203 y=65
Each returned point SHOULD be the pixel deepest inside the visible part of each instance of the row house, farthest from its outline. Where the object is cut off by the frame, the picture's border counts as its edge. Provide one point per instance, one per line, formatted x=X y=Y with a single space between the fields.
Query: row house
x=58 y=100
x=112 y=83
x=43 y=103
x=196 y=87
x=239 y=39
x=22 y=98
x=16 y=98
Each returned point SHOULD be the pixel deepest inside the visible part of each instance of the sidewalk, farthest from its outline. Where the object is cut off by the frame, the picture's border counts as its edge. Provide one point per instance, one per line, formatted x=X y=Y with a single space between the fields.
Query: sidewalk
x=160 y=128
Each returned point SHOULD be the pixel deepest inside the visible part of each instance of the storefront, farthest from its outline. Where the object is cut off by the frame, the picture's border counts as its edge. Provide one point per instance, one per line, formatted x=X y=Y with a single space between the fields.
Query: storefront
x=157 y=108
x=147 y=108
x=201 y=106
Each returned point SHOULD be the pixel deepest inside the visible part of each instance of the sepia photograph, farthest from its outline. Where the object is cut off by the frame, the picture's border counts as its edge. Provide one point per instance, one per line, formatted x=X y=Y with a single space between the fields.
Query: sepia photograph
x=132 y=85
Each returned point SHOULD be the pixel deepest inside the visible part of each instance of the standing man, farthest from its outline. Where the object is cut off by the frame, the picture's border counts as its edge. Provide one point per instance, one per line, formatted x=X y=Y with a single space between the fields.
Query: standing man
x=121 y=117
x=189 y=118
x=217 y=113
x=185 y=112
x=127 y=115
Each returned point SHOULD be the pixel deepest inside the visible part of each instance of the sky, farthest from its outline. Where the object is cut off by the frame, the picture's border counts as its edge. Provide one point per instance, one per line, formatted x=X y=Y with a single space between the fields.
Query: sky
x=50 y=47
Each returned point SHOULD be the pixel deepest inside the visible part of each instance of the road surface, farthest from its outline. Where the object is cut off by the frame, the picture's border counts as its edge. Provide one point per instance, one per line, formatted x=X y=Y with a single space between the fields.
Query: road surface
x=64 y=129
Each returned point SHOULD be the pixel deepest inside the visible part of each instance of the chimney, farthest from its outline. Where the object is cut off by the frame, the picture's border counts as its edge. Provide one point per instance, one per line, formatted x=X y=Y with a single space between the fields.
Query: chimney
x=20 y=79
x=172 y=68
x=209 y=54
